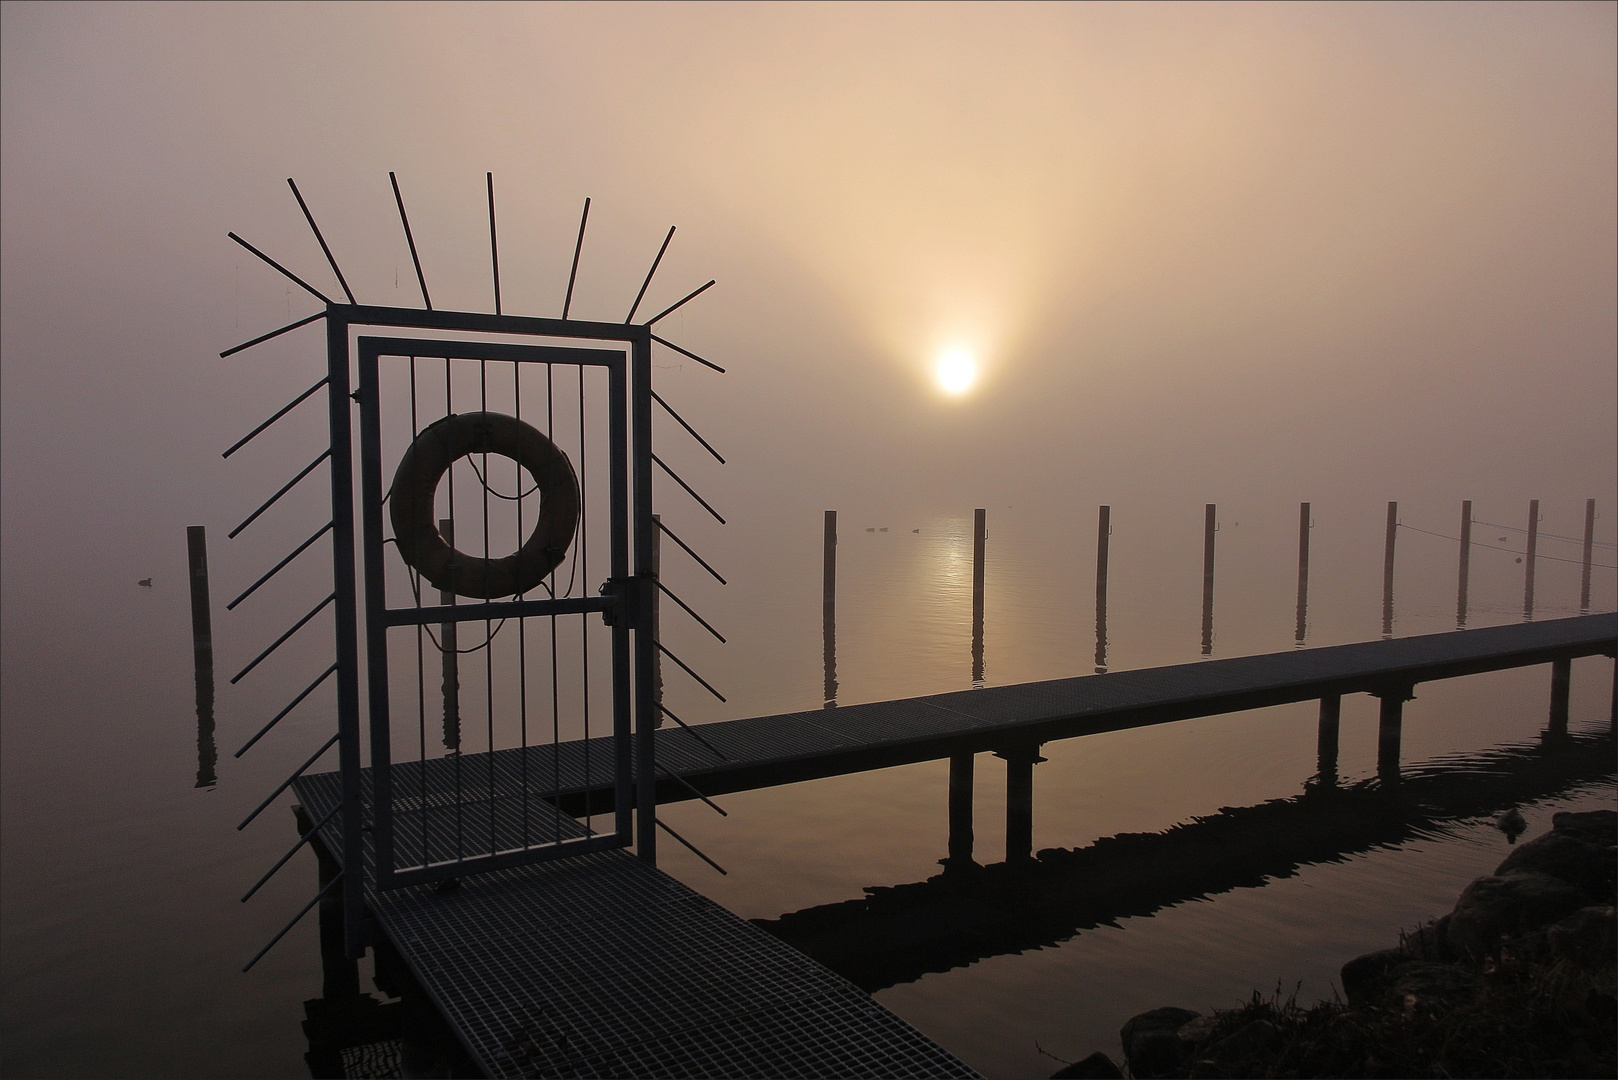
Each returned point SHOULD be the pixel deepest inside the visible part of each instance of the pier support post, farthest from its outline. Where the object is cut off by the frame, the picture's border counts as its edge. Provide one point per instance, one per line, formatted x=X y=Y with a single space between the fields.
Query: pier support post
x=1331 y=712
x=1561 y=683
x=1020 y=762
x=340 y=975
x=1390 y=726
x=960 y=813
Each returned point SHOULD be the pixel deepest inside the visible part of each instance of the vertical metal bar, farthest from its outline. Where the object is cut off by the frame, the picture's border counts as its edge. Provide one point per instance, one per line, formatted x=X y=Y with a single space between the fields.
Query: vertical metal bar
x=1466 y=564
x=645 y=643
x=828 y=608
x=1561 y=684
x=1331 y=712
x=376 y=630
x=1528 y=560
x=1103 y=549
x=622 y=722
x=656 y=618
x=450 y=643
x=346 y=630
x=1301 y=630
x=1387 y=569
x=1210 y=525
x=1589 y=545
x=960 y=812
x=494 y=250
x=979 y=536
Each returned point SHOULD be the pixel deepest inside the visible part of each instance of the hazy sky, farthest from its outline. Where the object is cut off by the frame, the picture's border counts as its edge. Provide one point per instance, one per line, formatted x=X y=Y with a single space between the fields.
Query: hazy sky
x=1202 y=252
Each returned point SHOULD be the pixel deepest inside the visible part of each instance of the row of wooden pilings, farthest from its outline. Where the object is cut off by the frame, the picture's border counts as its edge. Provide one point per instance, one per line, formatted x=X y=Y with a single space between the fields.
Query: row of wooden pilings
x=1021 y=759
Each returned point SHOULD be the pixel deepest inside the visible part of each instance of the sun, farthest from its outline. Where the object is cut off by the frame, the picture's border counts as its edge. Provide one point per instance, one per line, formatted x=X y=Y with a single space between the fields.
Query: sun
x=956 y=371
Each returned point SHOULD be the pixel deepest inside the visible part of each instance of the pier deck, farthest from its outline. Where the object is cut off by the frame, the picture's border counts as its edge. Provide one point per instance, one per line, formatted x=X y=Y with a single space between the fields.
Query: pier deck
x=601 y=965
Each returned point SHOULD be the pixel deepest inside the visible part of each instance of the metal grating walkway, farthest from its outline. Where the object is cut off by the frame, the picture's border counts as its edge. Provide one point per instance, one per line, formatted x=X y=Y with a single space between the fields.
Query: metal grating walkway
x=600 y=965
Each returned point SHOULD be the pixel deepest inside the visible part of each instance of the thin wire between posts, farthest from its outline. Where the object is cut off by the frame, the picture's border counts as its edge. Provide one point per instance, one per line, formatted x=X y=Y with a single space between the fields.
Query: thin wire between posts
x=1508 y=551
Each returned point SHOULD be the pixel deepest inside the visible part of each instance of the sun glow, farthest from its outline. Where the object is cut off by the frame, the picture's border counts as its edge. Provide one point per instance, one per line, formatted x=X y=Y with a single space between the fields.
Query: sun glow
x=956 y=371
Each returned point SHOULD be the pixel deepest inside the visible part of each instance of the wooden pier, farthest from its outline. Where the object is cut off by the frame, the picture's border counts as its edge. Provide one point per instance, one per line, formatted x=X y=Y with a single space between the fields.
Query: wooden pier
x=601 y=965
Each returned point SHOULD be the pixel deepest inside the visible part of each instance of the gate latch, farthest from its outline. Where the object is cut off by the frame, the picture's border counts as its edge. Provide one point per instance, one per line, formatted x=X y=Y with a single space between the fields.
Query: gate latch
x=634 y=600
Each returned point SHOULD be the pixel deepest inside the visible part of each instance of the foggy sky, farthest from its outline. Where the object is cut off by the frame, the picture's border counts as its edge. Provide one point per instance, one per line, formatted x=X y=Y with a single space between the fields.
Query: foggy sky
x=1206 y=252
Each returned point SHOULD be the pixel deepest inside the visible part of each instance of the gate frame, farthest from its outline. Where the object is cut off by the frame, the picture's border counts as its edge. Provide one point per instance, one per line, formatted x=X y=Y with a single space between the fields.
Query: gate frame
x=626 y=601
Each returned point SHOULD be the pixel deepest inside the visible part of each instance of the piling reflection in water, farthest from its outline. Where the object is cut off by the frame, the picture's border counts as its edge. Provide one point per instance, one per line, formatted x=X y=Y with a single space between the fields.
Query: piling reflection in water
x=896 y=934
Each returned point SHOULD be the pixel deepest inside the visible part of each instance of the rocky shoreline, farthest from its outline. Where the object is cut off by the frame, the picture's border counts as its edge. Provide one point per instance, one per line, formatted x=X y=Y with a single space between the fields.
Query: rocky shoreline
x=1517 y=980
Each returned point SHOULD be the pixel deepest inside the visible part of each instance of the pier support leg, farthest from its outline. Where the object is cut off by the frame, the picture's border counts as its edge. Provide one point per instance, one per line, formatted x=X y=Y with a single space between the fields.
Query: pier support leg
x=1389 y=728
x=960 y=813
x=1331 y=712
x=1561 y=683
x=1020 y=763
x=340 y=975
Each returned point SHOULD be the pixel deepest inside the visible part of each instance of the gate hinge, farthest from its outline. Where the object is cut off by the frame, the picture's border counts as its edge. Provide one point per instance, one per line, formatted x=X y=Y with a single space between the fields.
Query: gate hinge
x=634 y=596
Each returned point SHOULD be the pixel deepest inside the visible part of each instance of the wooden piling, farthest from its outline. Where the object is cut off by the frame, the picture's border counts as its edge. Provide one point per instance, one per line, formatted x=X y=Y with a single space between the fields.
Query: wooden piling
x=960 y=812
x=1103 y=542
x=1528 y=560
x=1302 y=629
x=979 y=533
x=828 y=606
x=1466 y=564
x=1390 y=724
x=1331 y=712
x=1020 y=762
x=1589 y=546
x=1209 y=527
x=1561 y=684
x=1387 y=569
x=196 y=543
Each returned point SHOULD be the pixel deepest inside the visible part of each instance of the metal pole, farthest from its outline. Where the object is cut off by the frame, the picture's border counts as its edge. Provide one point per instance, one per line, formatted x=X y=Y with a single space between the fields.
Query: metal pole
x=1331 y=712
x=1528 y=560
x=451 y=658
x=960 y=812
x=1302 y=628
x=1561 y=683
x=1466 y=564
x=1589 y=545
x=1209 y=527
x=646 y=711
x=1387 y=569
x=979 y=533
x=1103 y=541
x=196 y=542
x=828 y=608
x=655 y=595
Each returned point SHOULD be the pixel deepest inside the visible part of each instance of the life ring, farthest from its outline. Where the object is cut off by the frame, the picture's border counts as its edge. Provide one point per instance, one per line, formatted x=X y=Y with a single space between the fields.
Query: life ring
x=415 y=486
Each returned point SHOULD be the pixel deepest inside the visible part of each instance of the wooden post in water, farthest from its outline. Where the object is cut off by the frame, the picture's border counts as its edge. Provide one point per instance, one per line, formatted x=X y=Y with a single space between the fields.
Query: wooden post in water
x=449 y=645
x=1561 y=684
x=1302 y=629
x=1389 y=729
x=1528 y=560
x=1589 y=545
x=1331 y=712
x=1466 y=564
x=828 y=608
x=1103 y=542
x=960 y=813
x=1387 y=569
x=1209 y=526
x=196 y=543
x=1020 y=762
x=979 y=533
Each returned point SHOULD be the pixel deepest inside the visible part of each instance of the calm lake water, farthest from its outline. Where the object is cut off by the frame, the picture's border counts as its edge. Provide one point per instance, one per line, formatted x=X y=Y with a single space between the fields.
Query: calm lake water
x=123 y=934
